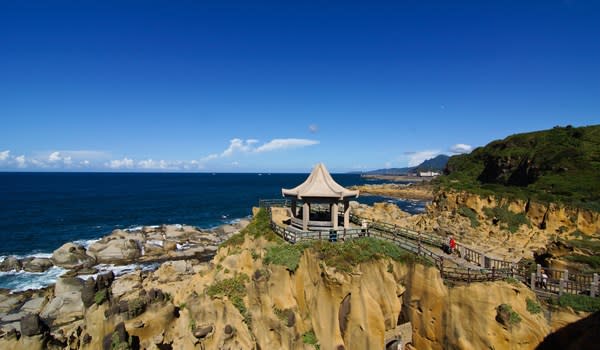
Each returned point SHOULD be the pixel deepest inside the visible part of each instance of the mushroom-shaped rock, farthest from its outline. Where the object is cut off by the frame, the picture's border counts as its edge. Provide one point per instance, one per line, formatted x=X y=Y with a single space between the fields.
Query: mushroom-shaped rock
x=37 y=265
x=71 y=256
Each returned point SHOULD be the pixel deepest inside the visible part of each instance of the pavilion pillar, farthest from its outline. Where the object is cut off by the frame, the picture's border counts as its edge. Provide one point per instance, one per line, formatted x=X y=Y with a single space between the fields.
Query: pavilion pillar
x=294 y=207
x=334 y=215
x=305 y=216
x=346 y=214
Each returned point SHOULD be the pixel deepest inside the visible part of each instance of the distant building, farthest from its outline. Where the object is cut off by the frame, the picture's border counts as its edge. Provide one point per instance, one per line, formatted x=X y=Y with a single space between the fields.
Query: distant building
x=428 y=173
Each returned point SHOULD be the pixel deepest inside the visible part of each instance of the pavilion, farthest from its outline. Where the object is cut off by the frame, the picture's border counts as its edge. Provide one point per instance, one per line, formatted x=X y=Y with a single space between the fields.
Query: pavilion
x=319 y=188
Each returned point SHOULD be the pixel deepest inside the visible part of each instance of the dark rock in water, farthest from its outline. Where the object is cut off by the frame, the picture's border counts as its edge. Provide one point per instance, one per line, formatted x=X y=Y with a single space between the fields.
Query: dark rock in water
x=10 y=263
x=31 y=324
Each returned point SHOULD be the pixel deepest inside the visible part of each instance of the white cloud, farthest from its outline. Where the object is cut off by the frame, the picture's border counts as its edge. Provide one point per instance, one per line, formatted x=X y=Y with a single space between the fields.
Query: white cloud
x=313 y=128
x=4 y=155
x=238 y=145
x=416 y=158
x=388 y=164
x=153 y=164
x=461 y=148
x=21 y=161
x=54 y=157
x=277 y=144
x=124 y=163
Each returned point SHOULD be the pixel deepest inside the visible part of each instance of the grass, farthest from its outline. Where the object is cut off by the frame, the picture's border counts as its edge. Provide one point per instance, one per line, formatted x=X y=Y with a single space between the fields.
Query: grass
x=101 y=296
x=287 y=255
x=591 y=246
x=260 y=226
x=533 y=306
x=311 y=339
x=136 y=307
x=513 y=281
x=592 y=261
x=579 y=302
x=507 y=219
x=470 y=214
x=234 y=289
x=341 y=256
x=513 y=318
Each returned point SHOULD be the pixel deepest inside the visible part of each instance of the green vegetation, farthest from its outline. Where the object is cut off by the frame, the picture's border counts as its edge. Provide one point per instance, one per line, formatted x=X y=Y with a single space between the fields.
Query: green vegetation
x=311 y=339
x=287 y=255
x=533 y=307
x=234 y=289
x=560 y=165
x=513 y=281
x=342 y=256
x=470 y=214
x=117 y=344
x=136 y=307
x=579 y=302
x=101 y=296
x=259 y=227
x=506 y=310
x=592 y=261
x=507 y=218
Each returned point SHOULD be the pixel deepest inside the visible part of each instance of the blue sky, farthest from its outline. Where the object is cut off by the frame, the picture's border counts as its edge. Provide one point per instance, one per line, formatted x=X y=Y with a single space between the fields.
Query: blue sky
x=234 y=86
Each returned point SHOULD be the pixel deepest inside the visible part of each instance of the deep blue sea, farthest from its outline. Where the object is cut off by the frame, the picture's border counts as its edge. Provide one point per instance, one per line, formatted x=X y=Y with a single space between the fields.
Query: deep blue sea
x=41 y=211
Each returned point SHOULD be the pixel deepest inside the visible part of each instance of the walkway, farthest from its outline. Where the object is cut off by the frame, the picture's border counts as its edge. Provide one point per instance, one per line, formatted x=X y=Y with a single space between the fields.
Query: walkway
x=470 y=265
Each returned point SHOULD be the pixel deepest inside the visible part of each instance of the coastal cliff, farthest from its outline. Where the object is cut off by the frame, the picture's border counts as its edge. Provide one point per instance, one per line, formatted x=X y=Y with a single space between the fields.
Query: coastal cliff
x=259 y=292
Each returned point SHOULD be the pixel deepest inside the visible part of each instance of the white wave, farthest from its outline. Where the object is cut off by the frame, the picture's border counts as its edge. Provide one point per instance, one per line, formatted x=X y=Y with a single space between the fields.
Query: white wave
x=86 y=243
x=120 y=269
x=18 y=281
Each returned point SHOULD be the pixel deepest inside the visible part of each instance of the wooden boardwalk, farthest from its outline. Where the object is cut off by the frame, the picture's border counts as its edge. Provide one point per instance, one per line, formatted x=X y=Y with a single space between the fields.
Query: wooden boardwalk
x=468 y=265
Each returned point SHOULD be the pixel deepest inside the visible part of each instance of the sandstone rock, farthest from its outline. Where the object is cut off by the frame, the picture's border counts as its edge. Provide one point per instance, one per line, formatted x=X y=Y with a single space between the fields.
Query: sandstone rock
x=88 y=291
x=31 y=324
x=115 y=251
x=127 y=284
x=37 y=265
x=10 y=263
x=203 y=332
x=34 y=306
x=71 y=255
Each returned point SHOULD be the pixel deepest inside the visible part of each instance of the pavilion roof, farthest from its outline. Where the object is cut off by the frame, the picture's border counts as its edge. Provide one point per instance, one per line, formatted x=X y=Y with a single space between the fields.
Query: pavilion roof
x=319 y=184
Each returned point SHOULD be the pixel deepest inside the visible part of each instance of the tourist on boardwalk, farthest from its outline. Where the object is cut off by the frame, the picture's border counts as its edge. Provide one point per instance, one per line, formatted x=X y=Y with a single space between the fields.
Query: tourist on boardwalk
x=452 y=244
x=544 y=280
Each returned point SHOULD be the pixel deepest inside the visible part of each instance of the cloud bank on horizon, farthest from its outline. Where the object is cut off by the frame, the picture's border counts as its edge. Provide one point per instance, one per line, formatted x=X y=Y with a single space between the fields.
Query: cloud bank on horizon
x=89 y=160
x=83 y=160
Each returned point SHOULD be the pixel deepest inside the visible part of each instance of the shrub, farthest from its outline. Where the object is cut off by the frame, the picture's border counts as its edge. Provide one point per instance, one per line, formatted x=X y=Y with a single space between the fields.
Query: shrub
x=506 y=312
x=287 y=255
x=101 y=296
x=579 y=302
x=533 y=307
x=233 y=288
x=136 y=307
x=507 y=218
x=470 y=214
x=260 y=226
x=310 y=338
x=512 y=280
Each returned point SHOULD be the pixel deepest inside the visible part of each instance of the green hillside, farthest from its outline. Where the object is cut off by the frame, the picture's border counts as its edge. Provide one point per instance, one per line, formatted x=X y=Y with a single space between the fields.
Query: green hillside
x=557 y=165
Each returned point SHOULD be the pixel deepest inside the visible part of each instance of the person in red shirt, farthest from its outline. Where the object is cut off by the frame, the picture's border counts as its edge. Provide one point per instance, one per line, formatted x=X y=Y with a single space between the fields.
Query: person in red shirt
x=452 y=244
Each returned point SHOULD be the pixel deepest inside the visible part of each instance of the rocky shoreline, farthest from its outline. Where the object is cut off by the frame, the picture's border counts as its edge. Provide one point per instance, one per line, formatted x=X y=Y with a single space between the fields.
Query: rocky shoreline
x=66 y=300
x=417 y=192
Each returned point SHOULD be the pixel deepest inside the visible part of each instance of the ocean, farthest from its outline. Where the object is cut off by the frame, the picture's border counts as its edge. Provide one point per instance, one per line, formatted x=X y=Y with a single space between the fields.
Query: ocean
x=41 y=211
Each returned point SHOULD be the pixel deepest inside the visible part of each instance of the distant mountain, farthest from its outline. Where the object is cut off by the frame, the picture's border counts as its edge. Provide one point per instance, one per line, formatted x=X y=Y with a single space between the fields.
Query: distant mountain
x=437 y=164
x=434 y=164
x=557 y=165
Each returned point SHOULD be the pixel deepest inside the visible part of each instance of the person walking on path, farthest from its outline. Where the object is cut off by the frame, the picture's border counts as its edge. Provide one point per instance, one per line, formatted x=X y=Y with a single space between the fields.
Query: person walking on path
x=544 y=280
